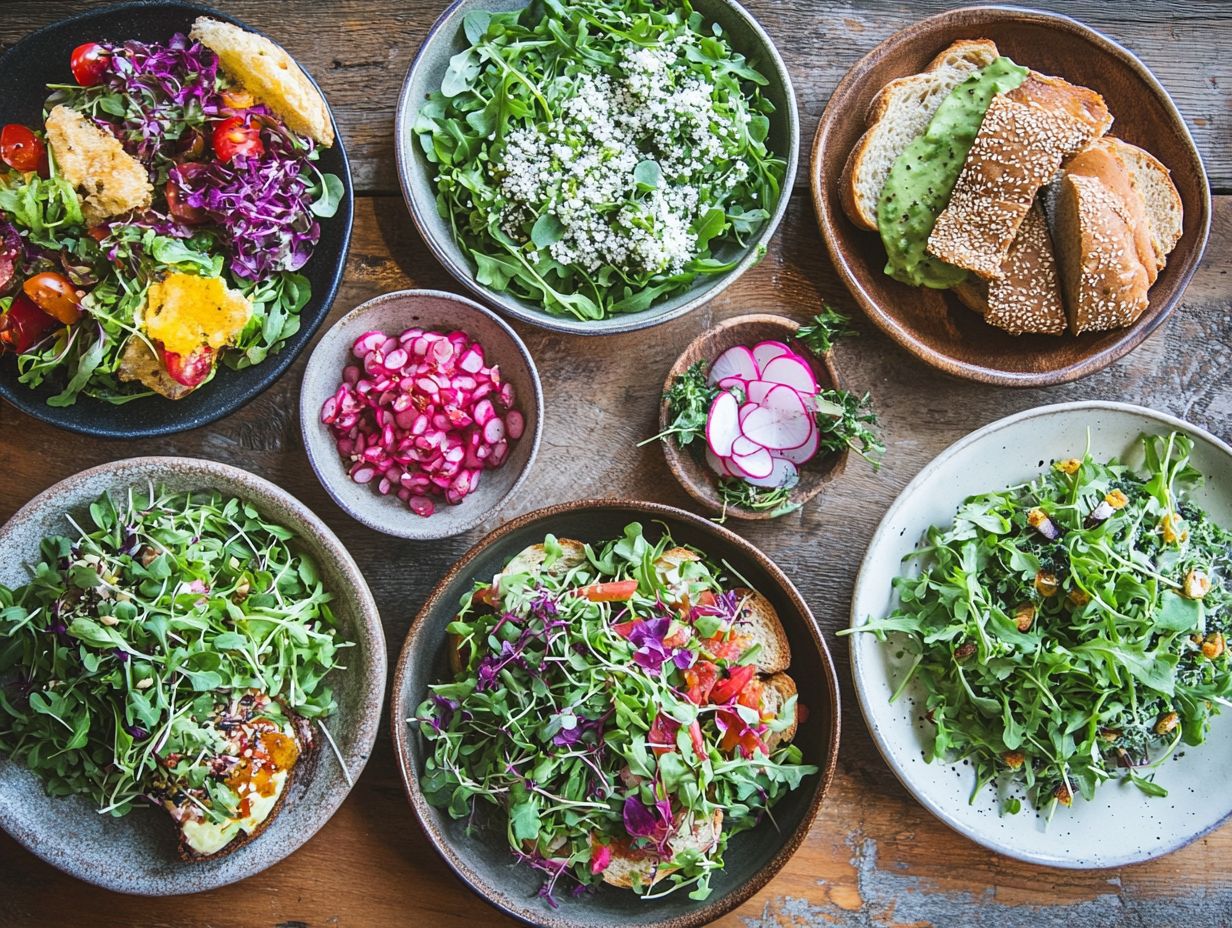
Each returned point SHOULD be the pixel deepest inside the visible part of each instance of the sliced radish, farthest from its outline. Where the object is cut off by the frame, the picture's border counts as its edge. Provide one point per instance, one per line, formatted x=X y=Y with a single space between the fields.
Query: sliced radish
x=758 y=465
x=722 y=424
x=765 y=352
x=734 y=362
x=792 y=372
x=758 y=390
x=717 y=464
x=782 y=421
x=735 y=383
x=784 y=474
x=804 y=453
x=743 y=446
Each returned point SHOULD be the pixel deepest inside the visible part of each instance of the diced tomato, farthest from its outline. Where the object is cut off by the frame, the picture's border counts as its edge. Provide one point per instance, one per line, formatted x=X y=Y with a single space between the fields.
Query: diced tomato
x=662 y=736
x=489 y=596
x=738 y=734
x=24 y=325
x=235 y=136
x=22 y=150
x=89 y=63
x=705 y=600
x=727 y=689
x=625 y=629
x=616 y=591
x=750 y=696
x=700 y=680
x=726 y=649
x=192 y=370
x=55 y=295
x=695 y=735
x=678 y=637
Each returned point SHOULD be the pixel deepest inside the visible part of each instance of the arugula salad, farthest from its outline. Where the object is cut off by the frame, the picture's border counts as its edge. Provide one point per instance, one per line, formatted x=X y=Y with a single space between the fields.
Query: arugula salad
x=173 y=652
x=620 y=710
x=158 y=221
x=1072 y=630
x=597 y=157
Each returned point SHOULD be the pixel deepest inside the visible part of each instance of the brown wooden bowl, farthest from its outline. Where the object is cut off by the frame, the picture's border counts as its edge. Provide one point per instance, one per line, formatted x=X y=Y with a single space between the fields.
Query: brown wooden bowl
x=687 y=464
x=934 y=325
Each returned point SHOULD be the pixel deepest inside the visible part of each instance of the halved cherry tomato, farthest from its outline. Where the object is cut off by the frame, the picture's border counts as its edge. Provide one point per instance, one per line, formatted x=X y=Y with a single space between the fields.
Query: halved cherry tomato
x=22 y=150
x=733 y=685
x=89 y=63
x=190 y=370
x=180 y=210
x=615 y=591
x=55 y=295
x=237 y=136
x=24 y=325
x=236 y=98
x=489 y=596
x=700 y=680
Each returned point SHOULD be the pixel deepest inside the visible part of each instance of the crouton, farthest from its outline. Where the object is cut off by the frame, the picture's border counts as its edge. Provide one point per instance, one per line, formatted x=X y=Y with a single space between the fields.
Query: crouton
x=758 y=621
x=111 y=181
x=776 y=689
x=690 y=833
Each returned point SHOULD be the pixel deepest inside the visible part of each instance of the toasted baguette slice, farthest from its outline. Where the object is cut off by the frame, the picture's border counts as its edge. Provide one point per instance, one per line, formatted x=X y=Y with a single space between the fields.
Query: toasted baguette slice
x=532 y=559
x=1102 y=160
x=776 y=690
x=269 y=74
x=700 y=835
x=1104 y=282
x=1025 y=135
x=1153 y=182
x=1027 y=295
x=758 y=621
x=900 y=112
x=110 y=180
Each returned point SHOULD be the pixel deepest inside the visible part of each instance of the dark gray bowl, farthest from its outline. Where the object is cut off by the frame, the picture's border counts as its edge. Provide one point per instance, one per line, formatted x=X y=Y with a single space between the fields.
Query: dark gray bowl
x=483 y=860
x=393 y=313
x=445 y=39
x=137 y=854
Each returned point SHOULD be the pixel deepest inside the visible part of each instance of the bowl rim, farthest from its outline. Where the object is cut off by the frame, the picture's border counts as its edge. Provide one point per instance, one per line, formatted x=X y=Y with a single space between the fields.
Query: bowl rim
x=903 y=335
x=672 y=453
x=708 y=911
x=309 y=420
x=366 y=727
x=278 y=363
x=867 y=700
x=406 y=149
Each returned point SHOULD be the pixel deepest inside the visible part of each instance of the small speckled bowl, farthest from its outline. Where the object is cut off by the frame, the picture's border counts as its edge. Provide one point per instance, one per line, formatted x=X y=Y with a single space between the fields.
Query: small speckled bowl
x=393 y=313
x=482 y=859
x=137 y=853
x=446 y=39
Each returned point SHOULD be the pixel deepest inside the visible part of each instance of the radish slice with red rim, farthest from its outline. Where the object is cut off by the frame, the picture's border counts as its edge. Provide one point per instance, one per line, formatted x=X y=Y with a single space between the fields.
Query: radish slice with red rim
x=758 y=465
x=805 y=453
x=758 y=390
x=734 y=362
x=743 y=446
x=765 y=352
x=735 y=383
x=717 y=464
x=723 y=424
x=792 y=372
x=782 y=421
x=784 y=474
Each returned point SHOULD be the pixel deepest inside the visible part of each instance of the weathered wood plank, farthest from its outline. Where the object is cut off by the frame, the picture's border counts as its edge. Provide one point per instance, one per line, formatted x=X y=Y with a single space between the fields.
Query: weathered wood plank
x=874 y=856
x=359 y=51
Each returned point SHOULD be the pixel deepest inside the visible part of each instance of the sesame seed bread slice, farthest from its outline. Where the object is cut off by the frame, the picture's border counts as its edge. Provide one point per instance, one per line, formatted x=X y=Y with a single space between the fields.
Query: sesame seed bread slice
x=900 y=112
x=691 y=834
x=1102 y=160
x=270 y=75
x=1027 y=295
x=1104 y=283
x=1153 y=182
x=1022 y=141
x=776 y=690
x=757 y=620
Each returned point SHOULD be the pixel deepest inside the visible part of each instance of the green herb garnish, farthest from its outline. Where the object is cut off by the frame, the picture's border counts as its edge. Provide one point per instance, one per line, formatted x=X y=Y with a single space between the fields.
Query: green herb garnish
x=846 y=420
x=688 y=403
x=736 y=492
x=827 y=327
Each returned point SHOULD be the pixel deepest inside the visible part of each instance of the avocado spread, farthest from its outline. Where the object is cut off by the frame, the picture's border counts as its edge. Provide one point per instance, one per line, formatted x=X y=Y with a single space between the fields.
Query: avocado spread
x=923 y=177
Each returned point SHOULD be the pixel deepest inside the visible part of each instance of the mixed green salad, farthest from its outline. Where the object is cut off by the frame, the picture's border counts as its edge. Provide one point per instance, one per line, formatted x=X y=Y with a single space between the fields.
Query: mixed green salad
x=1071 y=630
x=597 y=157
x=166 y=653
x=623 y=708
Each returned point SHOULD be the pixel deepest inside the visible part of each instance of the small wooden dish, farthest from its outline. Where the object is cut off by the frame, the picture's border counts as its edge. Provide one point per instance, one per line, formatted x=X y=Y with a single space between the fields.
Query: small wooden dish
x=687 y=464
x=934 y=325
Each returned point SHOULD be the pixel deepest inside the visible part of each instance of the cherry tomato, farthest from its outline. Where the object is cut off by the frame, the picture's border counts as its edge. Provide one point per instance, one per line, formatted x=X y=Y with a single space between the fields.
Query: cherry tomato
x=616 y=591
x=237 y=136
x=177 y=204
x=55 y=295
x=24 y=325
x=190 y=370
x=22 y=150
x=700 y=680
x=236 y=98
x=489 y=596
x=89 y=63
x=726 y=690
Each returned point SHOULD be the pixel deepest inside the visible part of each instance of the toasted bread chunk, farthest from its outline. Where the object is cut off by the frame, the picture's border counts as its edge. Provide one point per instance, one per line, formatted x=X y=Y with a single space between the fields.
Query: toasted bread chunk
x=110 y=180
x=758 y=620
x=1102 y=160
x=701 y=835
x=1104 y=282
x=668 y=568
x=270 y=75
x=531 y=560
x=1025 y=135
x=1153 y=182
x=139 y=364
x=776 y=690
x=900 y=112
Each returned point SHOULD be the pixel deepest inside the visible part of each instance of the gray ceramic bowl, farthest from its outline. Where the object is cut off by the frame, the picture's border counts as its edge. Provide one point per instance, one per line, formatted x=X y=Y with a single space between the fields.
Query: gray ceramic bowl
x=137 y=854
x=393 y=313
x=445 y=39
x=483 y=861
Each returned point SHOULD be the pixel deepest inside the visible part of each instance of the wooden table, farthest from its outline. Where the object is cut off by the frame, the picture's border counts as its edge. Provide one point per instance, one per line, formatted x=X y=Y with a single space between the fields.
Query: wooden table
x=874 y=856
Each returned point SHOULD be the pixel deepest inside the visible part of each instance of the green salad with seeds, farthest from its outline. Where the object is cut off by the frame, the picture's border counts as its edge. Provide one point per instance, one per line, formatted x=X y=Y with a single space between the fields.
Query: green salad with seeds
x=1072 y=630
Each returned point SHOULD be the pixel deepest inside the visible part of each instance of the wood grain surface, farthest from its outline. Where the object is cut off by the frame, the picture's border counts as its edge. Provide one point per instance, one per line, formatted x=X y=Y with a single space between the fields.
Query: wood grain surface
x=874 y=857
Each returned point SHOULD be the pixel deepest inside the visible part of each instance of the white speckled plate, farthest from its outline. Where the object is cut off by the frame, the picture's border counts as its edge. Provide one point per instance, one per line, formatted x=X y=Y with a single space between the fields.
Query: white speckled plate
x=1122 y=825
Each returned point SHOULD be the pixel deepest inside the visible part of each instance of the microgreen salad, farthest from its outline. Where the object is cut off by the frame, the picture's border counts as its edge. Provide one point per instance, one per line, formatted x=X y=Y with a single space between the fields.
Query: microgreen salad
x=595 y=158
x=156 y=223
x=172 y=651
x=422 y=415
x=622 y=709
x=1070 y=631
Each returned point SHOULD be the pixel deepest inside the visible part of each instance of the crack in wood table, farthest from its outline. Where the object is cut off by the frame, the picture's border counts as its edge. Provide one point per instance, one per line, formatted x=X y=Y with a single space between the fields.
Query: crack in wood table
x=874 y=857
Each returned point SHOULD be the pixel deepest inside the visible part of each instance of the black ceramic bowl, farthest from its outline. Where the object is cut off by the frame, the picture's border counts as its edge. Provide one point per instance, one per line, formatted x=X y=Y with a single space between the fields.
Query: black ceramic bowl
x=483 y=860
x=25 y=70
